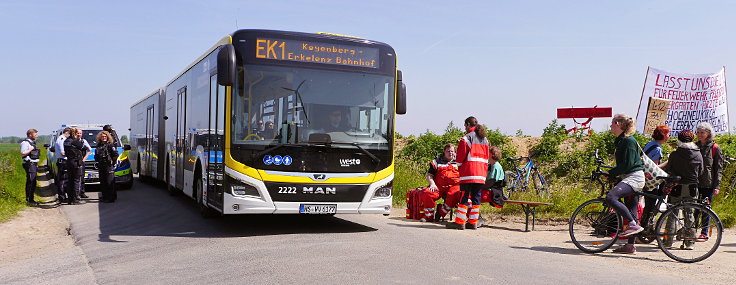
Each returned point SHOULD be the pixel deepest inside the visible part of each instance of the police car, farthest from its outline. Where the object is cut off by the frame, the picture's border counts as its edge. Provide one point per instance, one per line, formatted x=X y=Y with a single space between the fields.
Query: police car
x=123 y=173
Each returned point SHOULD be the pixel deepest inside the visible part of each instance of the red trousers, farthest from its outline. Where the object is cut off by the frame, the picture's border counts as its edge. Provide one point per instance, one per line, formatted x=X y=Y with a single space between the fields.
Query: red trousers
x=428 y=200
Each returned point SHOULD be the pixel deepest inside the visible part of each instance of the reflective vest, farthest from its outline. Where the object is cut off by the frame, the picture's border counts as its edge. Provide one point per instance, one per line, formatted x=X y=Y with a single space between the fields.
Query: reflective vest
x=447 y=173
x=472 y=156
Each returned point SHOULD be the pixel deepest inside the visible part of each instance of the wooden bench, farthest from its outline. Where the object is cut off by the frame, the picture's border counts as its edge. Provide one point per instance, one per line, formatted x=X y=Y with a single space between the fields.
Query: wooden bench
x=529 y=207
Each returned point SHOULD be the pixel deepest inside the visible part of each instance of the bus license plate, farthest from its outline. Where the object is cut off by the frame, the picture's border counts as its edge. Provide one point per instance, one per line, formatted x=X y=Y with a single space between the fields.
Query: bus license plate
x=318 y=209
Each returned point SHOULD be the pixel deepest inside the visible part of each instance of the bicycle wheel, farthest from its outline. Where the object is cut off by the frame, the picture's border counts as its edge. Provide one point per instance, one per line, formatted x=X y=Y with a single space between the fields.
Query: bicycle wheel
x=594 y=226
x=511 y=181
x=540 y=185
x=679 y=228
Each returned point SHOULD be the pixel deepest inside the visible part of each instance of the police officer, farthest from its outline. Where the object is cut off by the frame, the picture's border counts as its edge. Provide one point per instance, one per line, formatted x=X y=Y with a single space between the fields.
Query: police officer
x=106 y=156
x=74 y=151
x=30 y=154
x=108 y=128
x=87 y=151
x=62 y=174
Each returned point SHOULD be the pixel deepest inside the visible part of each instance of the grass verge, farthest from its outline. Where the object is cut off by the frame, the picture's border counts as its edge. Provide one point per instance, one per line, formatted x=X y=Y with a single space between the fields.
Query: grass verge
x=12 y=182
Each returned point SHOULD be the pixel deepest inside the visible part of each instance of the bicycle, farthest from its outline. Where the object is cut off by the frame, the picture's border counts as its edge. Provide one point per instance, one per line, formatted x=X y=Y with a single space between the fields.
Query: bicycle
x=594 y=226
x=518 y=179
x=595 y=176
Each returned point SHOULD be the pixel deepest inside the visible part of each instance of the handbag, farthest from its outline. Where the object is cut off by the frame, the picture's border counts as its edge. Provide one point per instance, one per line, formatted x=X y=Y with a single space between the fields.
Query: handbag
x=651 y=172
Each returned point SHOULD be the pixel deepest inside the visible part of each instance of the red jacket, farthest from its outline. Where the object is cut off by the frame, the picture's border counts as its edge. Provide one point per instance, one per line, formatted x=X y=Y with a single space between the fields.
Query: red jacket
x=472 y=156
x=445 y=173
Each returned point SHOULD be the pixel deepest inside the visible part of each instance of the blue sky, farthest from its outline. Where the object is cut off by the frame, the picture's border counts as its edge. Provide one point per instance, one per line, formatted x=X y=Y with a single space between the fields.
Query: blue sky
x=509 y=63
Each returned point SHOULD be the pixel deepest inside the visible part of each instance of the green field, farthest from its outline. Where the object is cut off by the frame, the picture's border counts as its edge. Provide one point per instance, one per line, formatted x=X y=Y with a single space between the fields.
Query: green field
x=12 y=181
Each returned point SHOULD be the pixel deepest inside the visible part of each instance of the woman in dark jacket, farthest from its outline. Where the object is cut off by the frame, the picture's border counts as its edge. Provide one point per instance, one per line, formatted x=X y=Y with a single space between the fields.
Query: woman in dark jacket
x=710 y=181
x=629 y=168
x=106 y=156
x=686 y=162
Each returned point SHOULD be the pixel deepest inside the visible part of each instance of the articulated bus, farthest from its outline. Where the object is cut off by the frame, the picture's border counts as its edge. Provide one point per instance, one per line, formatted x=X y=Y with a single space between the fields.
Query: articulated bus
x=276 y=122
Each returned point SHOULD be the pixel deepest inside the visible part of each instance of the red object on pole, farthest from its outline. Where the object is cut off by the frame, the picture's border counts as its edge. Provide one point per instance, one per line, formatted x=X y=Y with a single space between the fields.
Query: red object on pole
x=594 y=112
x=589 y=113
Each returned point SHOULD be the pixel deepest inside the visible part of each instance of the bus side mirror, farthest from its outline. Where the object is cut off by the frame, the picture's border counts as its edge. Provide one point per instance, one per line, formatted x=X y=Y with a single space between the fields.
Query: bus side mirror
x=400 y=94
x=126 y=147
x=226 y=65
x=52 y=149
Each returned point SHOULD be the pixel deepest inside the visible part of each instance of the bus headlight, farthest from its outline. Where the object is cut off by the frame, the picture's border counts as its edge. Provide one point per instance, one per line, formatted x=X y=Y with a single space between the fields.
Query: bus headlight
x=384 y=191
x=239 y=188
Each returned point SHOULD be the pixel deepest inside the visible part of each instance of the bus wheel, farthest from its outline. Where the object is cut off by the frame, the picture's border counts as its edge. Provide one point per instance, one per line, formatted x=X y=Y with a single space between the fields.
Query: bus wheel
x=171 y=189
x=204 y=210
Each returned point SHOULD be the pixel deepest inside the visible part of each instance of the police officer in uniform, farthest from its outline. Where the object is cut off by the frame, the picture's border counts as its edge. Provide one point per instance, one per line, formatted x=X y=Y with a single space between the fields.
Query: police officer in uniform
x=62 y=174
x=106 y=156
x=30 y=154
x=74 y=151
x=87 y=151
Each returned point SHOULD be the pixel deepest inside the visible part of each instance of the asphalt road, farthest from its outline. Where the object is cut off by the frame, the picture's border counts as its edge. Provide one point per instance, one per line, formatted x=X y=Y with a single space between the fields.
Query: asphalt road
x=150 y=237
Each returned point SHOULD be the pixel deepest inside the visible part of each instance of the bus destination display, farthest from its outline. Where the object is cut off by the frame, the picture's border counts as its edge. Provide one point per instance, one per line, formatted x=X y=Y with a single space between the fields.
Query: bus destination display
x=316 y=52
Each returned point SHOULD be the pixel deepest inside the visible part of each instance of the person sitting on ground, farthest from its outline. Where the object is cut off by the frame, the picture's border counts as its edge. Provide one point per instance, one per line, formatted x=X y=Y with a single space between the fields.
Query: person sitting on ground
x=444 y=182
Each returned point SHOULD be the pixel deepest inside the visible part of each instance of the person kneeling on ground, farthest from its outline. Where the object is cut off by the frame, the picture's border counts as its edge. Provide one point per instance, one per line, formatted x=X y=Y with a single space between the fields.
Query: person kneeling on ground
x=444 y=182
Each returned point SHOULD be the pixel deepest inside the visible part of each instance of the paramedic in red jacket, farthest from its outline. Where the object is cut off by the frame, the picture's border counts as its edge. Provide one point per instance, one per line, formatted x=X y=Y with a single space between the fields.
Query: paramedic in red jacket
x=472 y=157
x=444 y=178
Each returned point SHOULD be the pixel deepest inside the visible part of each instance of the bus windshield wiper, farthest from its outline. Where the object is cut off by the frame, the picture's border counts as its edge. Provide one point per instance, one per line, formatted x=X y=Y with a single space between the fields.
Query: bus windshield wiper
x=299 y=96
x=355 y=144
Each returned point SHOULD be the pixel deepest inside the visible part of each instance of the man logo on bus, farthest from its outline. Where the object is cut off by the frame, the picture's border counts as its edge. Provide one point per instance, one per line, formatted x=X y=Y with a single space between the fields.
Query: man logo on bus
x=319 y=190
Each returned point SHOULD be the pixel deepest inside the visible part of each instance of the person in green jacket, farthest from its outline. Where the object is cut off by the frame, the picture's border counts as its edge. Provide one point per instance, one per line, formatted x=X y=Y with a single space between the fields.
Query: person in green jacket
x=629 y=168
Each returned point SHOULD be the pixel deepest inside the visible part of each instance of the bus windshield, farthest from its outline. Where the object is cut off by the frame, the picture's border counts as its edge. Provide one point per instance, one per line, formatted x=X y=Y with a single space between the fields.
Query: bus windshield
x=289 y=105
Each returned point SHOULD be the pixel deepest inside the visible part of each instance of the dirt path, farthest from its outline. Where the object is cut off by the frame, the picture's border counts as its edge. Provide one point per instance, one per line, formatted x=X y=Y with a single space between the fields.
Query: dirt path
x=36 y=231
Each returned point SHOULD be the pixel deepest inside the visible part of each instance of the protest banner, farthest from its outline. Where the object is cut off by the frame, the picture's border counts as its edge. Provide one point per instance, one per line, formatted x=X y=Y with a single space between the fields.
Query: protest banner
x=694 y=98
x=656 y=114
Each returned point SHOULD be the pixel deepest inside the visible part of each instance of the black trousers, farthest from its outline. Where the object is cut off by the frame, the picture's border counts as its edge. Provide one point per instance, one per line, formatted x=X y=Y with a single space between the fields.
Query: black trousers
x=471 y=191
x=75 y=168
x=107 y=183
x=61 y=179
x=31 y=169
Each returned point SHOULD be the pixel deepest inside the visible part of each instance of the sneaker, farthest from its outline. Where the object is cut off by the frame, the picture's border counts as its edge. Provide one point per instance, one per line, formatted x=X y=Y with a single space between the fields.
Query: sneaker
x=627 y=249
x=455 y=226
x=631 y=230
x=702 y=238
x=423 y=220
x=688 y=246
x=84 y=196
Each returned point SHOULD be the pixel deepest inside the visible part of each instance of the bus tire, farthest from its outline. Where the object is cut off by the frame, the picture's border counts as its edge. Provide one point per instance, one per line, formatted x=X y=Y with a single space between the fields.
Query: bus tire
x=204 y=210
x=171 y=189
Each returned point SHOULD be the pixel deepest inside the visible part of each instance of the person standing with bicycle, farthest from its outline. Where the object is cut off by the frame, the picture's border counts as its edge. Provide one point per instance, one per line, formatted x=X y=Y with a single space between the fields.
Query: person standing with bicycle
x=686 y=162
x=472 y=157
x=710 y=180
x=629 y=168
